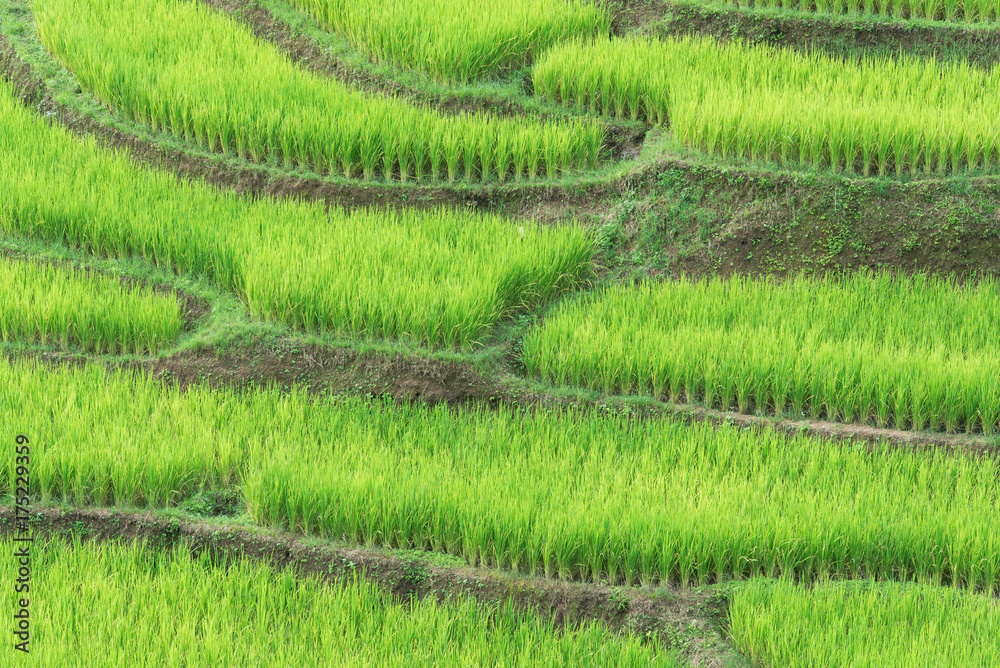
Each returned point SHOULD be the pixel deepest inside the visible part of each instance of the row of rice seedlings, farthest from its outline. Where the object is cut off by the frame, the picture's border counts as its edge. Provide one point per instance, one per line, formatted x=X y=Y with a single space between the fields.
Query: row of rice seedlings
x=48 y=304
x=863 y=624
x=440 y=277
x=183 y=67
x=965 y=11
x=458 y=40
x=766 y=103
x=569 y=495
x=911 y=352
x=134 y=604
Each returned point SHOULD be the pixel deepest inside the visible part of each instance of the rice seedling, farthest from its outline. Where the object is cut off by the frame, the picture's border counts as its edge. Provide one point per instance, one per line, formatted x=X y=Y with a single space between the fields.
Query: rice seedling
x=183 y=67
x=765 y=103
x=458 y=40
x=571 y=495
x=873 y=348
x=951 y=11
x=49 y=304
x=116 y=604
x=863 y=624
x=442 y=277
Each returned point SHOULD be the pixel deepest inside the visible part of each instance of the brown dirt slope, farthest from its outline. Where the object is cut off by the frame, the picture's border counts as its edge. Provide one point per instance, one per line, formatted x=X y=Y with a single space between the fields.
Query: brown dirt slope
x=702 y=219
x=284 y=364
x=321 y=369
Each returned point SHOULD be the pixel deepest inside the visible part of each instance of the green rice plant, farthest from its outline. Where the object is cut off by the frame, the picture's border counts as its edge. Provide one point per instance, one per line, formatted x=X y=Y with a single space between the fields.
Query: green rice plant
x=469 y=164
x=390 y=148
x=950 y=11
x=863 y=624
x=879 y=348
x=116 y=604
x=571 y=494
x=766 y=103
x=371 y=151
x=535 y=147
x=551 y=153
x=50 y=304
x=183 y=67
x=441 y=277
x=458 y=40
x=503 y=154
x=420 y=150
x=520 y=151
x=452 y=156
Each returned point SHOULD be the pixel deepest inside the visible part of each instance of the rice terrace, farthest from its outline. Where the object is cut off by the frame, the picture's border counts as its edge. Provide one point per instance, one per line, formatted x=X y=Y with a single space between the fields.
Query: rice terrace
x=500 y=333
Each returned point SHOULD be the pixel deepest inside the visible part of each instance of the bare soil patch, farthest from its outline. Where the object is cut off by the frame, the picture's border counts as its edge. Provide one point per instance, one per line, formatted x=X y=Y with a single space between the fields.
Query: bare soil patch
x=720 y=220
x=319 y=369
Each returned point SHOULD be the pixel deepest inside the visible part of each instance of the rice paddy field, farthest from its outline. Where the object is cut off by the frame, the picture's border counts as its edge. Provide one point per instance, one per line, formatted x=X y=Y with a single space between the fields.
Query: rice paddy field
x=560 y=494
x=442 y=276
x=479 y=333
x=454 y=40
x=140 y=605
x=50 y=304
x=914 y=352
x=765 y=103
x=185 y=68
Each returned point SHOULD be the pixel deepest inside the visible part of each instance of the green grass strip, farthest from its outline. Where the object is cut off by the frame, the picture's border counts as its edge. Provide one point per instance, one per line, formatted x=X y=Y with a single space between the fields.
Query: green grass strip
x=864 y=625
x=881 y=349
x=439 y=277
x=50 y=304
x=766 y=103
x=178 y=65
x=137 y=605
x=562 y=494
x=458 y=40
